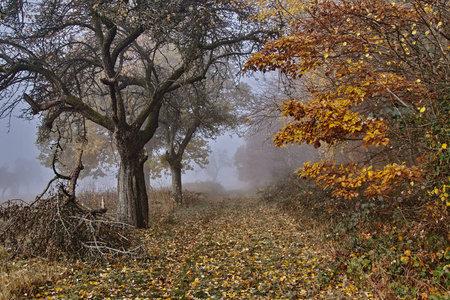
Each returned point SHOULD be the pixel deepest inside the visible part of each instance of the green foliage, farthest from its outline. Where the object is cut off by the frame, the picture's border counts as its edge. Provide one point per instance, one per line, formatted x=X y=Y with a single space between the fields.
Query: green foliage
x=388 y=248
x=435 y=122
x=299 y=243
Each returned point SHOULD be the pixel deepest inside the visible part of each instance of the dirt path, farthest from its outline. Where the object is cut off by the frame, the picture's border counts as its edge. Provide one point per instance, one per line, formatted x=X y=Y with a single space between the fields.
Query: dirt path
x=230 y=250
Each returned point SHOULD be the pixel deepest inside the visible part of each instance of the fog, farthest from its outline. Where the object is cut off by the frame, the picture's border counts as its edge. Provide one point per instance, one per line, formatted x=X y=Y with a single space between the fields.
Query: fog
x=259 y=163
x=23 y=177
x=224 y=172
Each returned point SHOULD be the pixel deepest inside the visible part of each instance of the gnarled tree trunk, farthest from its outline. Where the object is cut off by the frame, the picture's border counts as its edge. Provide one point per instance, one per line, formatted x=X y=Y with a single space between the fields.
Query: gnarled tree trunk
x=177 y=191
x=132 y=207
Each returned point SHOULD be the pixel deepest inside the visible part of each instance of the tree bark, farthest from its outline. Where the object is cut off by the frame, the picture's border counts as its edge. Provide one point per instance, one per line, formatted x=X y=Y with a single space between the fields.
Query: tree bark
x=132 y=206
x=147 y=176
x=177 y=190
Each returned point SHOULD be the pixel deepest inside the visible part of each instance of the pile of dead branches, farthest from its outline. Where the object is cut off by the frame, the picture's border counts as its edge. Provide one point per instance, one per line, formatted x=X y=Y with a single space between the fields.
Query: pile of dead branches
x=58 y=226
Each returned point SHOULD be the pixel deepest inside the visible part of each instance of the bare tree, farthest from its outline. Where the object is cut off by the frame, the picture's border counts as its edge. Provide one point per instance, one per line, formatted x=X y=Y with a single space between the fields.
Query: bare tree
x=8 y=181
x=217 y=162
x=99 y=155
x=203 y=110
x=105 y=60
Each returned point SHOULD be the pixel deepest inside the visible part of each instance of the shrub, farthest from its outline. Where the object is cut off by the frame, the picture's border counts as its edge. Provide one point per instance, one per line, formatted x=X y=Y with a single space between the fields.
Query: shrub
x=396 y=248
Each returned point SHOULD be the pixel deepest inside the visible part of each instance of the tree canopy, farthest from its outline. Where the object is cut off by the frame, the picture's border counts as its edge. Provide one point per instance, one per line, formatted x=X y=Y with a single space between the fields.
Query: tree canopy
x=383 y=88
x=106 y=61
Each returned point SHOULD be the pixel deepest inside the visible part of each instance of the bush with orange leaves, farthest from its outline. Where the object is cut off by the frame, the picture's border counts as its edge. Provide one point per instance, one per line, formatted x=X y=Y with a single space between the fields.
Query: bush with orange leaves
x=375 y=76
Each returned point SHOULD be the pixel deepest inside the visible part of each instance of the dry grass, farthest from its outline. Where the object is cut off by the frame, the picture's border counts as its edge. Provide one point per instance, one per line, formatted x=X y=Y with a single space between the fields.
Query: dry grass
x=94 y=199
x=222 y=248
x=21 y=278
x=329 y=250
x=161 y=205
x=26 y=278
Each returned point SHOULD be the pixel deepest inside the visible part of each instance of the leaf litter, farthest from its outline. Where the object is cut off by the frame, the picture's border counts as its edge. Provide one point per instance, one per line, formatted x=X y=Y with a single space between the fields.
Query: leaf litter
x=236 y=248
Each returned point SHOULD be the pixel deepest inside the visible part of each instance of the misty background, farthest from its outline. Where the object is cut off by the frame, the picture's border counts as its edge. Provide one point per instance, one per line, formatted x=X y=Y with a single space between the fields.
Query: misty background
x=22 y=176
x=237 y=163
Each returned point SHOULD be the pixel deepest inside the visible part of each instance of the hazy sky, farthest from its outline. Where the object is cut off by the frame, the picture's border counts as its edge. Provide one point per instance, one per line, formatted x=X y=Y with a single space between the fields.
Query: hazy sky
x=17 y=141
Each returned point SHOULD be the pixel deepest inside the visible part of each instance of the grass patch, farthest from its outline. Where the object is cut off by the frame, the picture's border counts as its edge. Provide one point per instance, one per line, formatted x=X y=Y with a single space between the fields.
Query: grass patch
x=27 y=278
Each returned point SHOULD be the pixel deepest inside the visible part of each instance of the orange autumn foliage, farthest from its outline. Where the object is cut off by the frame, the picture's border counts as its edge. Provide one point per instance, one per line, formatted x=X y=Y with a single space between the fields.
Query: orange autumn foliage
x=377 y=57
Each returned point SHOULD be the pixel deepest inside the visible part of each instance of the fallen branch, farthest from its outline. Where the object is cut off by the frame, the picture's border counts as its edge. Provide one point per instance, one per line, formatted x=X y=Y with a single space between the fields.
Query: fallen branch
x=53 y=225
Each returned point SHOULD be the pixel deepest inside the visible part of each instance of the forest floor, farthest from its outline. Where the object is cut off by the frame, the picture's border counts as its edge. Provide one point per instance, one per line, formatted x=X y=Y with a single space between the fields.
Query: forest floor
x=227 y=248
